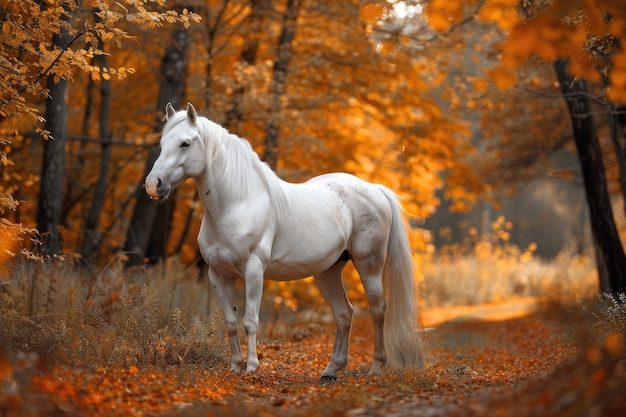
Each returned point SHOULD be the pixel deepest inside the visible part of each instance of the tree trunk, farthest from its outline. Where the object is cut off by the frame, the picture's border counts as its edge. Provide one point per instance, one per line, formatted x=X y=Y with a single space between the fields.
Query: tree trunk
x=617 y=120
x=90 y=237
x=279 y=79
x=610 y=255
x=50 y=206
x=148 y=232
x=212 y=26
x=254 y=23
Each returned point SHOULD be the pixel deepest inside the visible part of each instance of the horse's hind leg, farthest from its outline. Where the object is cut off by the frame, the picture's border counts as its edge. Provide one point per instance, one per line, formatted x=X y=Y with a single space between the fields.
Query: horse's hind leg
x=370 y=270
x=376 y=302
x=332 y=289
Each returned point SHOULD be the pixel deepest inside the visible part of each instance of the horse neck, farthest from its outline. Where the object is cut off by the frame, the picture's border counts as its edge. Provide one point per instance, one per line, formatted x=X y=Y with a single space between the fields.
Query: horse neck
x=231 y=176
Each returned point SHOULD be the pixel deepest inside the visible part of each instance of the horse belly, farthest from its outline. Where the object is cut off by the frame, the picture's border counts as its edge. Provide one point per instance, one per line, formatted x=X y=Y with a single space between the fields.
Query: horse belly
x=311 y=244
x=298 y=267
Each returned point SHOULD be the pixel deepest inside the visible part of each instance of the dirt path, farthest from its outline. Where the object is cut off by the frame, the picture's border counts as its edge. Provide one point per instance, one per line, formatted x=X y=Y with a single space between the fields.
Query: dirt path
x=494 y=359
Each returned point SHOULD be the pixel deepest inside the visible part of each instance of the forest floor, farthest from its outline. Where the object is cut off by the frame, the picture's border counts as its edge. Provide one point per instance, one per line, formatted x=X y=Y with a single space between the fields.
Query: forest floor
x=517 y=358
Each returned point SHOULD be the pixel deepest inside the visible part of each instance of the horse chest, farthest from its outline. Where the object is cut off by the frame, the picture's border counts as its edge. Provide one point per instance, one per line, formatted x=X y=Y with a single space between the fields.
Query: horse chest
x=229 y=247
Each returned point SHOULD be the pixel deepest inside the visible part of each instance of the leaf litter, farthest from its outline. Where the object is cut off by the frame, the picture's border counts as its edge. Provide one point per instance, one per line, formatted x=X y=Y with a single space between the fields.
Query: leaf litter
x=481 y=362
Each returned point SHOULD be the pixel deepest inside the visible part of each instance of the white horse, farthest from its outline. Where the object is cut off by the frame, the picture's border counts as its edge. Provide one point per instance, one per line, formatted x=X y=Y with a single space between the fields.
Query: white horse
x=257 y=226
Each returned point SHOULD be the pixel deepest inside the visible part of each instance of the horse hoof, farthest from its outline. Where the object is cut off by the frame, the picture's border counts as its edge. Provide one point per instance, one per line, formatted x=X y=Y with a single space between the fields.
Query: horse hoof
x=236 y=369
x=328 y=378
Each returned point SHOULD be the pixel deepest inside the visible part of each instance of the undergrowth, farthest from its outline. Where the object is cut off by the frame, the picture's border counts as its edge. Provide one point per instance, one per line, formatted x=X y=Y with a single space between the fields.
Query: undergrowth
x=468 y=279
x=159 y=316
x=166 y=314
x=489 y=268
x=151 y=336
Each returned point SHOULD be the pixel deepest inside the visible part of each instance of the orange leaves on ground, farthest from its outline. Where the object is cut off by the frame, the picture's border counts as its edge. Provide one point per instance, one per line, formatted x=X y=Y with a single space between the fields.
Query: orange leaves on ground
x=472 y=350
x=6 y=368
x=132 y=391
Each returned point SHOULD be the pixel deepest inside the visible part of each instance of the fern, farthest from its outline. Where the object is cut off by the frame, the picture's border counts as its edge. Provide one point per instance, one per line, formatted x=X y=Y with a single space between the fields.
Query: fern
x=154 y=316
x=125 y=297
x=178 y=320
x=95 y=317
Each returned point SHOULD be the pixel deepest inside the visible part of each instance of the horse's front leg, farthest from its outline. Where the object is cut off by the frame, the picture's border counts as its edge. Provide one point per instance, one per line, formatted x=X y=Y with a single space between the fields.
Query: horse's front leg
x=225 y=289
x=254 y=293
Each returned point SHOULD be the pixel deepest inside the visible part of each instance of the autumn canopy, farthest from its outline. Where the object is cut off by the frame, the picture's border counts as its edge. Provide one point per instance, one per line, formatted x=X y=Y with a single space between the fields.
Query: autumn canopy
x=410 y=94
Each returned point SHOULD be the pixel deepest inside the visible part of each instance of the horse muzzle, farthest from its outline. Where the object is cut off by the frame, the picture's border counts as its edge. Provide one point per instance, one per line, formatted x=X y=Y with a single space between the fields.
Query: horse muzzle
x=154 y=188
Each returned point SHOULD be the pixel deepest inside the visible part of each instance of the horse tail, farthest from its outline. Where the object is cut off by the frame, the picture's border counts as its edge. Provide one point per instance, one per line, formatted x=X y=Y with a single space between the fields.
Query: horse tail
x=404 y=342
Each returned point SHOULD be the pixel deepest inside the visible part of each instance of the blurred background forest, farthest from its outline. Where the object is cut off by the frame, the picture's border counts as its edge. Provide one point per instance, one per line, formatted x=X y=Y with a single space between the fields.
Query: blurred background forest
x=460 y=107
x=500 y=123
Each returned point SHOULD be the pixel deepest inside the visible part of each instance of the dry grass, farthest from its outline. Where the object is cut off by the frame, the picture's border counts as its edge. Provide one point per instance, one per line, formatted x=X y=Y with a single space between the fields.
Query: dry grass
x=468 y=279
x=487 y=267
x=160 y=315
x=166 y=314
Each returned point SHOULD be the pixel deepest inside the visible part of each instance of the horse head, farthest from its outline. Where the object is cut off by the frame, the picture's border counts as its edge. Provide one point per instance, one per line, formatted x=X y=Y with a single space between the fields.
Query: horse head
x=182 y=153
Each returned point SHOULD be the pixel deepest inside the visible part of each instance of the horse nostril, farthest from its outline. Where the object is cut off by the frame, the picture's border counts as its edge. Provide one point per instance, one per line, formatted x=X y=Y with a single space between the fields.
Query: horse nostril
x=159 y=183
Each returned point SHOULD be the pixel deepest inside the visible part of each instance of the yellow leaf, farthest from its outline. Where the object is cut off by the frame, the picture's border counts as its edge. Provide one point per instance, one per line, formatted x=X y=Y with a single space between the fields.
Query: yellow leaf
x=618 y=78
x=520 y=45
x=106 y=76
x=616 y=95
x=439 y=23
x=617 y=27
x=480 y=84
x=372 y=12
x=490 y=12
x=502 y=77
x=442 y=14
x=546 y=50
x=386 y=47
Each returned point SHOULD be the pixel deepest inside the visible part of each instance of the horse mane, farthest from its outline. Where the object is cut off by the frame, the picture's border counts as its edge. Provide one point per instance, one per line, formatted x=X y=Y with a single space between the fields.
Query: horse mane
x=236 y=165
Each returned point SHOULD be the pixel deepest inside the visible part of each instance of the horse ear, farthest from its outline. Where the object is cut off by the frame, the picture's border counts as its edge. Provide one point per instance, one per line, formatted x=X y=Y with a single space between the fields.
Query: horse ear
x=169 y=111
x=191 y=113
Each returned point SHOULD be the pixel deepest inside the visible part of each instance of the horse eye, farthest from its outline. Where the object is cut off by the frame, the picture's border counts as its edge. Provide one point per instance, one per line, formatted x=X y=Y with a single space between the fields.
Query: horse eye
x=185 y=144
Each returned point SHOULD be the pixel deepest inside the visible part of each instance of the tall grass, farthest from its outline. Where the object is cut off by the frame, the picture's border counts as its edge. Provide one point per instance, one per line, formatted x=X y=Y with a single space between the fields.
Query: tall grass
x=470 y=278
x=166 y=314
x=487 y=267
x=159 y=315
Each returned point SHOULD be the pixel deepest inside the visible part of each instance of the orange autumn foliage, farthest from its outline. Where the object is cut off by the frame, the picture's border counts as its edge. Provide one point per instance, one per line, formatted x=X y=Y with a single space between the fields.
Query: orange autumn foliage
x=583 y=32
x=351 y=103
